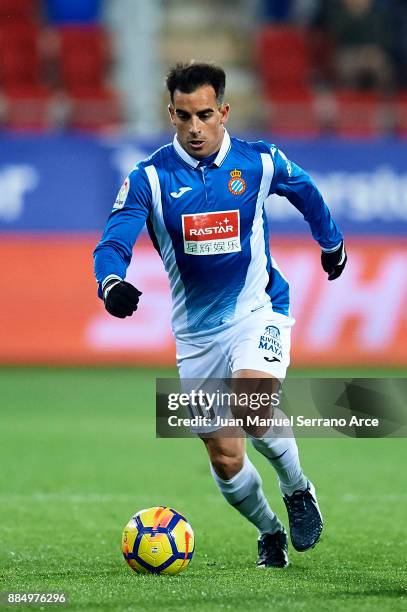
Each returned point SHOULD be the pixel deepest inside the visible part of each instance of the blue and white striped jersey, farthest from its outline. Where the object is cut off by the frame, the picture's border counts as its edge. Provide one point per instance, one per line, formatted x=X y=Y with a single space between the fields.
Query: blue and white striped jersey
x=209 y=227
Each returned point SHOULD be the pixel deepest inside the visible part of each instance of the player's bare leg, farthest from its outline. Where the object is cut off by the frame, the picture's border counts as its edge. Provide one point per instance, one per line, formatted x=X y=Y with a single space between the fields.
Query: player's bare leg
x=241 y=485
x=226 y=455
x=282 y=453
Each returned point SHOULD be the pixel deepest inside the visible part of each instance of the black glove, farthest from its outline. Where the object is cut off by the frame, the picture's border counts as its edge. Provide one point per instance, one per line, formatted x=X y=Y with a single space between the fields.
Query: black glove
x=120 y=298
x=334 y=262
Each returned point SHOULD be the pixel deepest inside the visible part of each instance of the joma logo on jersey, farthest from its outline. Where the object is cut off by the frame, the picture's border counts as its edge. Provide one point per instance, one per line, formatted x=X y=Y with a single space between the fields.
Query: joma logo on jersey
x=211 y=233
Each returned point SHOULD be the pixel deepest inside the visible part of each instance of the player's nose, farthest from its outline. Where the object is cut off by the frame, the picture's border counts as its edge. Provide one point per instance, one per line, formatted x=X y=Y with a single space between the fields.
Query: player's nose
x=194 y=127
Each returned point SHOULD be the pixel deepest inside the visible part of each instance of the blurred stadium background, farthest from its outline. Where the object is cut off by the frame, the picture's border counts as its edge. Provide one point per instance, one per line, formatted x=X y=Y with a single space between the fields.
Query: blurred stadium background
x=82 y=99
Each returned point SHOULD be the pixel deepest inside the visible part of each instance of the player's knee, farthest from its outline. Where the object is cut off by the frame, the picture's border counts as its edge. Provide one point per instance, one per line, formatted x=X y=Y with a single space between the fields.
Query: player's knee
x=226 y=466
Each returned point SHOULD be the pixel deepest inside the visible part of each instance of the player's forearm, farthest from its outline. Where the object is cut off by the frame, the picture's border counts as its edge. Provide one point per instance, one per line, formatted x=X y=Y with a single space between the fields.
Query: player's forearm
x=110 y=260
x=113 y=254
x=302 y=192
x=323 y=227
x=120 y=297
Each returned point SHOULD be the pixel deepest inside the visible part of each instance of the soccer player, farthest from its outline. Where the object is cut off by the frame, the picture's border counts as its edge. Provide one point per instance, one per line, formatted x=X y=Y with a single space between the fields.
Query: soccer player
x=202 y=198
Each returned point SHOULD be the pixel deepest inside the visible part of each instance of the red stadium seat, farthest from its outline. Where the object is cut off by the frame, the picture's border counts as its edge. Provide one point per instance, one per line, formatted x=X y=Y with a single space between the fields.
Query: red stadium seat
x=283 y=58
x=12 y=10
x=28 y=108
x=293 y=114
x=358 y=113
x=19 y=55
x=94 y=110
x=321 y=49
x=84 y=56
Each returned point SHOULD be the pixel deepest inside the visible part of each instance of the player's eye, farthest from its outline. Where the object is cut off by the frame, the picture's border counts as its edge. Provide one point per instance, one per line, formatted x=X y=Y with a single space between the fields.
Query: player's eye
x=182 y=116
x=204 y=116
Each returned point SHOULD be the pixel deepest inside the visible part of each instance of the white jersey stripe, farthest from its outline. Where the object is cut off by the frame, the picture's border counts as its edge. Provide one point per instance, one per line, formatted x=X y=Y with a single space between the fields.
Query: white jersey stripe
x=257 y=278
x=179 y=313
x=275 y=265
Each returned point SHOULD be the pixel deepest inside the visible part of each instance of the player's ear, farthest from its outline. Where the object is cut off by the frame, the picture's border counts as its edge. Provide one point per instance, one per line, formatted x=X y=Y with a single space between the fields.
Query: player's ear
x=171 y=112
x=224 y=113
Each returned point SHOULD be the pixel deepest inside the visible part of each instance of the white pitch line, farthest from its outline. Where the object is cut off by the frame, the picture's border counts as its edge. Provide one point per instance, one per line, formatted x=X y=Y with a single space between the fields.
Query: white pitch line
x=66 y=497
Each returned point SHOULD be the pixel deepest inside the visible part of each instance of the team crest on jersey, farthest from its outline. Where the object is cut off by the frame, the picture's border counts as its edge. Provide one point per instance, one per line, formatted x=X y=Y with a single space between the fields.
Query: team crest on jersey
x=213 y=233
x=122 y=195
x=236 y=185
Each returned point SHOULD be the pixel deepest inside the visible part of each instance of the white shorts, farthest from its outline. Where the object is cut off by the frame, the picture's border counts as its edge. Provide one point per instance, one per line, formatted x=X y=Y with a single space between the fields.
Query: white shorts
x=260 y=341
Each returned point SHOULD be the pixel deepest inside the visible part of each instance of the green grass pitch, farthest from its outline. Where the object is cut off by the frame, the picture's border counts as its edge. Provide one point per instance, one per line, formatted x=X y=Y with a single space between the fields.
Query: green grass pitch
x=79 y=456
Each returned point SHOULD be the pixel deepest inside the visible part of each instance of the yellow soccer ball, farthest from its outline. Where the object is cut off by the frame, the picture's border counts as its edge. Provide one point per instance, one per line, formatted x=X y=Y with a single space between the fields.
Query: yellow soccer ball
x=158 y=540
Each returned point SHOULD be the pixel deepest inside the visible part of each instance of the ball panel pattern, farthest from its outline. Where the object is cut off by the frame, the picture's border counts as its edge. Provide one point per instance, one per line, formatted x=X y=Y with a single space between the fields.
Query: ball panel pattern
x=158 y=540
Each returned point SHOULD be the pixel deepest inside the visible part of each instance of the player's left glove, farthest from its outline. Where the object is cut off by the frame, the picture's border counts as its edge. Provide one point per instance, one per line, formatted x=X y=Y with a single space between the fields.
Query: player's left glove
x=120 y=298
x=334 y=262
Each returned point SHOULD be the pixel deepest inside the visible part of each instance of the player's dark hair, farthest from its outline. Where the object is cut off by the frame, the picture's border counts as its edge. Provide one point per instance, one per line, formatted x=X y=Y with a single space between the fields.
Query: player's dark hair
x=188 y=77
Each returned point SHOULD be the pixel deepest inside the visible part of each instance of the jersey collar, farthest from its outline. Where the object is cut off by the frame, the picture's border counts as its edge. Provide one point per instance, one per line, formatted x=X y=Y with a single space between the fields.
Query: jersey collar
x=191 y=161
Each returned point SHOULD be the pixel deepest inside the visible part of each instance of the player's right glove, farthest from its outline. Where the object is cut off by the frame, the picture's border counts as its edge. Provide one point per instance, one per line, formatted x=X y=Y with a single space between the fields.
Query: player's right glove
x=120 y=298
x=334 y=262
